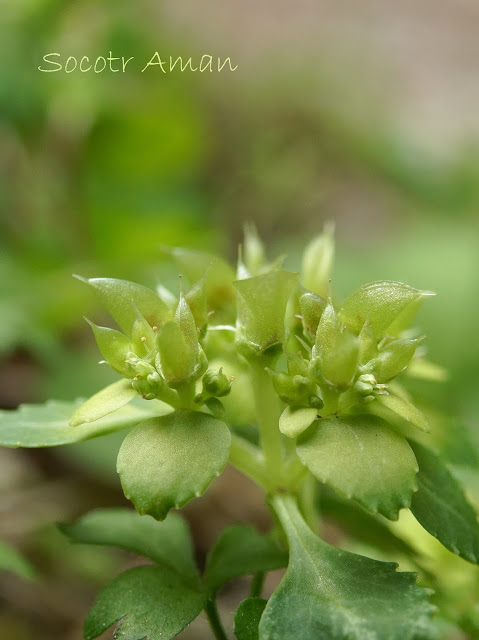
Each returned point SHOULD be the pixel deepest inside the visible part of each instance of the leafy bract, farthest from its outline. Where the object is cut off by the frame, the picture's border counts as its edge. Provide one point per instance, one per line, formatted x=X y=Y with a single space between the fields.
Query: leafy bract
x=330 y=594
x=124 y=299
x=165 y=462
x=442 y=508
x=404 y=408
x=241 y=550
x=153 y=603
x=247 y=618
x=167 y=543
x=11 y=560
x=363 y=458
x=109 y=399
x=293 y=421
x=262 y=306
x=379 y=302
x=47 y=425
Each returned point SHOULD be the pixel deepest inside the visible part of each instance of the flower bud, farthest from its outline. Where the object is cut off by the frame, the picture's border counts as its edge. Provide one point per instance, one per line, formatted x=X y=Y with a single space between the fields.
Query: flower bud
x=179 y=361
x=216 y=383
x=318 y=261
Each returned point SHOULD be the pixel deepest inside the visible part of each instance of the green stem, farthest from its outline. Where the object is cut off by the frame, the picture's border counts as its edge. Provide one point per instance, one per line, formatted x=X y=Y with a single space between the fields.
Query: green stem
x=257 y=585
x=186 y=393
x=307 y=502
x=249 y=460
x=268 y=410
x=214 y=620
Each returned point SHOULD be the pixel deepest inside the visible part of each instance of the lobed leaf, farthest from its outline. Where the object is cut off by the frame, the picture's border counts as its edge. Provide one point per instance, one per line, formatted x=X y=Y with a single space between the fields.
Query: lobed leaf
x=330 y=594
x=442 y=508
x=167 y=543
x=47 y=425
x=241 y=550
x=165 y=462
x=363 y=458
x=150 y=603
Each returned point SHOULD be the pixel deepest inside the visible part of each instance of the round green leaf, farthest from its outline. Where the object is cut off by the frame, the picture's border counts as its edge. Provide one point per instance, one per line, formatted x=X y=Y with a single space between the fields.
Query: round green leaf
x=165 y=462
x=247 y=618
x=363 y=458
x=293 y=421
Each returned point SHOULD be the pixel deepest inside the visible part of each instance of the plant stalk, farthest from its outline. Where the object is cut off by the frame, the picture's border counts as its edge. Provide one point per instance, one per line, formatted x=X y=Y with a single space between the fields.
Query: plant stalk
x=214 y=620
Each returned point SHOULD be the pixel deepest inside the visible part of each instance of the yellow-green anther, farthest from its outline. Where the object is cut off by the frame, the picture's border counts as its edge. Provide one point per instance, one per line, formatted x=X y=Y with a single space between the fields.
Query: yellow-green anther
x=114 y=347
x=393 y=359
x=142 y=335
x=318 y=262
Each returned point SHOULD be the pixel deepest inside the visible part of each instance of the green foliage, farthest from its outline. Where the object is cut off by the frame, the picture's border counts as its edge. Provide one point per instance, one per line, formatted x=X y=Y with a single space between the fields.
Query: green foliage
x=307 y=390
x=247 y=618
x=167 y=461
x=323 y=593
x=48 y=425
x=238 y=551
x=442 y=508
x=362 y=458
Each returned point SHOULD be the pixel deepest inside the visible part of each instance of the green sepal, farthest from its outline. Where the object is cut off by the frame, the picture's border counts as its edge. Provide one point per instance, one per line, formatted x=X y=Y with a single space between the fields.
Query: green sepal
x=197 y=302
x=247 y=618
x=311 y=307
x=47 y=425
x=318 y=262
x=167 y=543
x=167 y=461
x=262 y=304
x=330 y=594
x=294 y=420
x=442 y=508
x=241 y=550
x=392 y=359
x=362 y=458
x=218 y=274
x=405 y=409
x=114 y=347
x=153 y=603
x=109 y=399
x=379 y=302
x=117 y=296
x=179 y=360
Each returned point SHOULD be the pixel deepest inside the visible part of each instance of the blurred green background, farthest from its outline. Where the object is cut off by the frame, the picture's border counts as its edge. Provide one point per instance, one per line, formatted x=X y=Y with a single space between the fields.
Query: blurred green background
x=364 y=116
